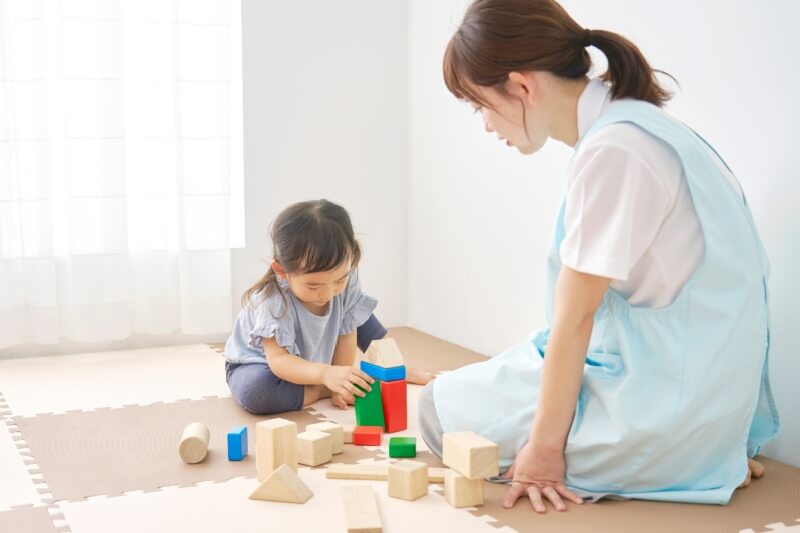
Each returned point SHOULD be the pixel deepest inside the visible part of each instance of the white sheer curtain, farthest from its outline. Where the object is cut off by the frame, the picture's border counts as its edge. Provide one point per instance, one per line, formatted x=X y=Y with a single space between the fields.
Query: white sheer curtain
x=120 y=168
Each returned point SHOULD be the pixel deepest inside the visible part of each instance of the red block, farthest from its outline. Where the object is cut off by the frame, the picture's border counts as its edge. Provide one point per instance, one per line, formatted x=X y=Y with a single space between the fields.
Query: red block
x=367 y=435
x=395 y=405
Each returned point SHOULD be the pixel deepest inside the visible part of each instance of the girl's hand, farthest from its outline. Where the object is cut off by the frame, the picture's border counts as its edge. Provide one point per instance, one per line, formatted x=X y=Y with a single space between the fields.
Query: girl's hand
x=339 y=401
x=342 y=380
x=538 y=476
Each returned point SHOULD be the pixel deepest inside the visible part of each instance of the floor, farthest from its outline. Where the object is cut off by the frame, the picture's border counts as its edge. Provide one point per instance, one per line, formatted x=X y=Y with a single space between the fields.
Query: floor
x=89 y=445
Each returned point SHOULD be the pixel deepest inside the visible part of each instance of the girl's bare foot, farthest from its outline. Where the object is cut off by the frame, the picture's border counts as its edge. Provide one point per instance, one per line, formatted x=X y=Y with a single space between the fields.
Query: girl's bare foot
x=417 y=376
x=312 y=393
x=754 y=470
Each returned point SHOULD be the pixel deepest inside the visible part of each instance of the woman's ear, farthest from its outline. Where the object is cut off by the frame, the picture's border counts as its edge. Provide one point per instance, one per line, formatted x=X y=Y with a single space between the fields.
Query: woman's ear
x=522 y=86
x=278 y=269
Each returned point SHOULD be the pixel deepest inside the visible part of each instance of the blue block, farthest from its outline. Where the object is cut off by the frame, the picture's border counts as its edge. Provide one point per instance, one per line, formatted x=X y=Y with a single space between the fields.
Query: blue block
x=237 y=443
x=384 y=374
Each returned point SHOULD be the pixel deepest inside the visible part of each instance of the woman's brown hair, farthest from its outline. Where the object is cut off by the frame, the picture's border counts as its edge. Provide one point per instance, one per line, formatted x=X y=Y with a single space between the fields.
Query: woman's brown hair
x=313 y=236
x=497 y=37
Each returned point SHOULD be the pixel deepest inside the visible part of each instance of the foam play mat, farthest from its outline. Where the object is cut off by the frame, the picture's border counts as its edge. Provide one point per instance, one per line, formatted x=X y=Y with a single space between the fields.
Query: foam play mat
x=88 y=444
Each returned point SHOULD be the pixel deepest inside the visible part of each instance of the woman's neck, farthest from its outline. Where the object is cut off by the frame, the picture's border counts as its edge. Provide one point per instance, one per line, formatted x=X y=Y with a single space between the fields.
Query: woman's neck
x=565 y=95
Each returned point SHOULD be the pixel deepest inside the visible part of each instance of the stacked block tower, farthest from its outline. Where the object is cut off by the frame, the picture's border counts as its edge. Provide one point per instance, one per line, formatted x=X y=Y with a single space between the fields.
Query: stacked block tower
x=386 y=404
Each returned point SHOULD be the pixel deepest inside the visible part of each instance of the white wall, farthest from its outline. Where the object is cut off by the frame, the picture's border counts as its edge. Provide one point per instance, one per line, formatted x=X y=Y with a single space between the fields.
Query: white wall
x=325 y=116
x=480 y=214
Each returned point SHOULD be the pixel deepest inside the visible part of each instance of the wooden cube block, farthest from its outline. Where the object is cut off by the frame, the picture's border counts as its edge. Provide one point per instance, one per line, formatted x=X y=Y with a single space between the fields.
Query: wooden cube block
x=367 y=435
x=336 y=431
x=408 y=480
x=403 y=447
x=347 y=433
x=395 y=405
x=385 y=353
x=237 y=443
x=470 y=455
x=276 y=444
x=314 y=448
x=462 y=492
x=369 y=409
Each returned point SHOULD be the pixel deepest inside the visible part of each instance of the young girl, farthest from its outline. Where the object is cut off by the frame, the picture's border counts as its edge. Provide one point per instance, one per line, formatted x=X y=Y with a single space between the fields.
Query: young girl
x=294 y=342
x=651 y=380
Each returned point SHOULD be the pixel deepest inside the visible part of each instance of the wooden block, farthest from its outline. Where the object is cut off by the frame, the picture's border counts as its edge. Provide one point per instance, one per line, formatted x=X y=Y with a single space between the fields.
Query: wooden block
x=193 y=446
x=408 y=480
x=395 y=405
x=402 y=447
x=361 y=510
x=314 y=448
x=237 y=443
x=462 y=492
x=436 y=475
x=378 y=472
x=367 y=435
x=369 y=409
x=283 y=485
x=471 y=455
x=375 y=472
x=347 y=433
x=385 y=353
x=336 y=431
x=276 y=444
x=384 y=374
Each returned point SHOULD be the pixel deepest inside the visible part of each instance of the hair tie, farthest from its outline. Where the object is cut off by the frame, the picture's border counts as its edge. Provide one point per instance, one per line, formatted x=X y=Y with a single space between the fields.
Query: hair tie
x=587 y=38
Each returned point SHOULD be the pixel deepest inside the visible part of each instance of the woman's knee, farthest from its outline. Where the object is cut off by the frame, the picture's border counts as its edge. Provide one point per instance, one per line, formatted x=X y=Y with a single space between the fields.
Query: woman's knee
x=430 y=427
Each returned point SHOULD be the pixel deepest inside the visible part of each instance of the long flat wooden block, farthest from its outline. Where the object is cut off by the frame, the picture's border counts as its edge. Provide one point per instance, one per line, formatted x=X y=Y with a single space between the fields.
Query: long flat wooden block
x=462 y=492
x=383 y=374
x=385 y=353
x=471 y=455
x=314 y=448
x=336 y=431
x=347 y=433
x=283 y=485
x=408 y=480
x=375 y=472
x=395 y=405
x=276 y=444
x=361 y=510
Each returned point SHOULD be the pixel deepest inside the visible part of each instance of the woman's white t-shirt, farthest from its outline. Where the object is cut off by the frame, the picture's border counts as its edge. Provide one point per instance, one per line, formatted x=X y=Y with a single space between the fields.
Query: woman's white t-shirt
x=629 y=215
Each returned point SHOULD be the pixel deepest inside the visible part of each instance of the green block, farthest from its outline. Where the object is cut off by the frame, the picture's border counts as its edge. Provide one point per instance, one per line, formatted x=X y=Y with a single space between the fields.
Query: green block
x=369 y=409
x=403 y=447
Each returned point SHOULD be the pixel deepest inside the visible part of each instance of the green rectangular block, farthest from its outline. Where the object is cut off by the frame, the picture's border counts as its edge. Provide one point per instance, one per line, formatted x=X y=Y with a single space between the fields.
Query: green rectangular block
x=403 y=447
x=369 y=409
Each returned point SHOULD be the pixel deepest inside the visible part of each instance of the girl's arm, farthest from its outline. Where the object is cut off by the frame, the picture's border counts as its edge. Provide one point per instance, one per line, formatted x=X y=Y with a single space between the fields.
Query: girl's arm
x=577 y=298
x=345 y=352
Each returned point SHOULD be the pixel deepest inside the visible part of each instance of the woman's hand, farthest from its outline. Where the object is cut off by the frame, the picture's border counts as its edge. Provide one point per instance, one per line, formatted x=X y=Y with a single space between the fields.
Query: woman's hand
x=539 y=476
x=342 y=380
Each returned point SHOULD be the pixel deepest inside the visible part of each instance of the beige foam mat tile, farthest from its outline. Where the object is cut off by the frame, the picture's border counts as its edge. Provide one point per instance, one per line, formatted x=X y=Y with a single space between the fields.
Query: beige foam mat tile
x=32 y=519
x=17 y=483
x=111 y=379
x=225 y=507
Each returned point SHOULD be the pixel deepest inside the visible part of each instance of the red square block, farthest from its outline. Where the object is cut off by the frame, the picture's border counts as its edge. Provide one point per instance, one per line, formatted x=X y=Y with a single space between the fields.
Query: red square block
x=367 y=435
x=395 y=405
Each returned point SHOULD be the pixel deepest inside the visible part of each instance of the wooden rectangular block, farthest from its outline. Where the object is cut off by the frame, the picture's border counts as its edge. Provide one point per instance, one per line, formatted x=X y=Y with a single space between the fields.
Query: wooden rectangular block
x=367 y=435
x=336 y=431
x=395 y=405
x=462 y=492
x=369 y=409
x=408 y=480
x=375 y=472
x=385 y=353
x=237 y=443
x=314 y=448
x=384 y=374
x=471 y=455
x=276 y=444
x=347 y=433
x=402 y=447
x=361 y=510
x=436 y=474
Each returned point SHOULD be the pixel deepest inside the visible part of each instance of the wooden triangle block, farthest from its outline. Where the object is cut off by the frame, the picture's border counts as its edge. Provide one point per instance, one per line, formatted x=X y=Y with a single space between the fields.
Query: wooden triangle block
x=283 y=485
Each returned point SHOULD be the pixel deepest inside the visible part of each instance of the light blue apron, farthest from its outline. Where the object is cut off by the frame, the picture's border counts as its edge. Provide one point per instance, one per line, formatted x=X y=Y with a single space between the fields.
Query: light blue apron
x=672 y=399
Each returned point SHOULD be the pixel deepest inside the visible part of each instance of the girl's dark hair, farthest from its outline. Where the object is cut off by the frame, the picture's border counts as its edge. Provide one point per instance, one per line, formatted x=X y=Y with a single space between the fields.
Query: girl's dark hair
x=313 y=236
x=498 y=37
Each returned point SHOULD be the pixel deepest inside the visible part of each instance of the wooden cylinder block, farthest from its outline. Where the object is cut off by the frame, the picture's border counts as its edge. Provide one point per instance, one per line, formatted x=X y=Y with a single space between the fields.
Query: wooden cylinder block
x=194 y=442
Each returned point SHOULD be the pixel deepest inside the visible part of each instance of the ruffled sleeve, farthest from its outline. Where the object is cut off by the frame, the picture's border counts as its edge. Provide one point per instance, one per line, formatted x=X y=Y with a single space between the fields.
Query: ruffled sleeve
x=358 y=306
x=272 y=318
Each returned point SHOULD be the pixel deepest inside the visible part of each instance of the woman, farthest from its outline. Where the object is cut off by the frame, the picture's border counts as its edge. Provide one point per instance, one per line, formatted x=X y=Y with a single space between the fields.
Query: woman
x=651 y=380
